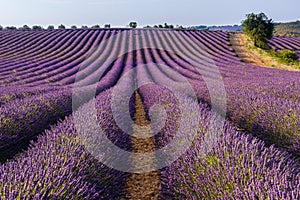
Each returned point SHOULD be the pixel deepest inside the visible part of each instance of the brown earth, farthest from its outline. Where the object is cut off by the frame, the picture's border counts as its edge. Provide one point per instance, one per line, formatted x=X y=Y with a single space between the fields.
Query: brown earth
x=240 y=47
x=143 y=186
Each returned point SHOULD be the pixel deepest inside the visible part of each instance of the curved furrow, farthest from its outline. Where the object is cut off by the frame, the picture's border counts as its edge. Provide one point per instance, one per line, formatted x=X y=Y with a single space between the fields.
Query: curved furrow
x=11 y=41
x=94 y=71
x=215 y=50
x=52 y=46
x=68 y=76
x=22 y=41
x=288 y=43
x=58 y=46
x=215 y=66
x=76 y=52
x=174 y=60
x=65 y=74
x=274 y=45
x=48 y=43
x=19 y=53
x=6 y=36
x=161 y=61
x=40 y=46
x=221 y=45
x=92 y=60
x=285 y=44
x=194 y=56
x=46 y=67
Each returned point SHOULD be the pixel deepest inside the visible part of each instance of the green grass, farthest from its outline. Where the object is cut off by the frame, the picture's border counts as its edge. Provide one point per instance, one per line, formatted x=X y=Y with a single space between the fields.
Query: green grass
x=284 y=59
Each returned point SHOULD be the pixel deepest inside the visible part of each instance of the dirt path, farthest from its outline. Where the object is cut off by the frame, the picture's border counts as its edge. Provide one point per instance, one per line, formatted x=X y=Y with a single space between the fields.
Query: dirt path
x=238 y=44
x=146 y=185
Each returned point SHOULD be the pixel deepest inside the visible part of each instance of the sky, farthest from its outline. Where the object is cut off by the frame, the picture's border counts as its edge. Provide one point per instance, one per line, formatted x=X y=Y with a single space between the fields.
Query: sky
x=119 y=13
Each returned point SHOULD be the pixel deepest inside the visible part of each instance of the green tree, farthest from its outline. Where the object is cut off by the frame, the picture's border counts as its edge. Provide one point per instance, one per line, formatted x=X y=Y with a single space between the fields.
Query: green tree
x=61 y=26
x=35 y=27
x=96 y=26
x=259 y=28
x=10 y=28
x=50 y=27
x=25 y=28
x=73 y=27
x=132 y=24
x=107 y=26
x=83 y=26
x=1 y=27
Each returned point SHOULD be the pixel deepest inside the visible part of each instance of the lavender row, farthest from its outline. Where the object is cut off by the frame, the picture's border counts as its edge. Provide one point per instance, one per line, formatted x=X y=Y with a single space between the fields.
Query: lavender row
x=23 y=119
x=236 y=166
x=60 y=164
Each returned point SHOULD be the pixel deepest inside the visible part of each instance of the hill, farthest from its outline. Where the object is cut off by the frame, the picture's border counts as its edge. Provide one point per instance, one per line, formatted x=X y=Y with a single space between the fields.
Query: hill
x=290 y=28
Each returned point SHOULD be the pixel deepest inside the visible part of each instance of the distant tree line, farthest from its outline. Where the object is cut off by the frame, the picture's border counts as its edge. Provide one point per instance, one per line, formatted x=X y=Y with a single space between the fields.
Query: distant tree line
x=170 y=26
x=50 y=27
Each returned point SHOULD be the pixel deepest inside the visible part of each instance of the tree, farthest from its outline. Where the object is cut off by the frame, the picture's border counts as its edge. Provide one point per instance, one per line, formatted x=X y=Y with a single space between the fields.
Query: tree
x=25 y=28
x=73 y=27
x=35 y=27
x=132 y=24
x=10 y=28
x=1 y=27
x=96 y=26
x=259 y=28
x=83 y=26
x=50 y=27
x=61 y=26
x=107 y=26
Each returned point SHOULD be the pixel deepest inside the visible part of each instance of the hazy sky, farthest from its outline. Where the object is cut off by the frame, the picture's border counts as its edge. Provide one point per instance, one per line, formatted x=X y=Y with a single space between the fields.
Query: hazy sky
x=121 y=12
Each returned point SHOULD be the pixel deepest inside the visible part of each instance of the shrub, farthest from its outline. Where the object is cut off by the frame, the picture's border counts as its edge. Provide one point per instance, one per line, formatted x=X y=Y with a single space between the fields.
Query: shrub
x=288 y=56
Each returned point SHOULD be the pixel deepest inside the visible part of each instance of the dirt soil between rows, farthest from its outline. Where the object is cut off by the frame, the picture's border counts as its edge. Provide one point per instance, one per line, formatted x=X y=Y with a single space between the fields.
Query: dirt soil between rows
x=144 y=186
x=238 y=44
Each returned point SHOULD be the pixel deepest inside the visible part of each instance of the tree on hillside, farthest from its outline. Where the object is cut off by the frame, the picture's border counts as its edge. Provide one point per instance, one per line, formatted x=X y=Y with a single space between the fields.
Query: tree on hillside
x=107 y=26
x=35 y=27
x=50 y=27
x=259 y=28
x=25 y=28
x=84 y=26
x=73 y=27
x=1 y=27
x=96 y=26
x=61 y=26
x=132 y=24
x=10 y=28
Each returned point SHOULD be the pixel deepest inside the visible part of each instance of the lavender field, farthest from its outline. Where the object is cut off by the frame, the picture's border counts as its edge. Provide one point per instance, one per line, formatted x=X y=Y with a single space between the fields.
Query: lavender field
x=74 y=104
